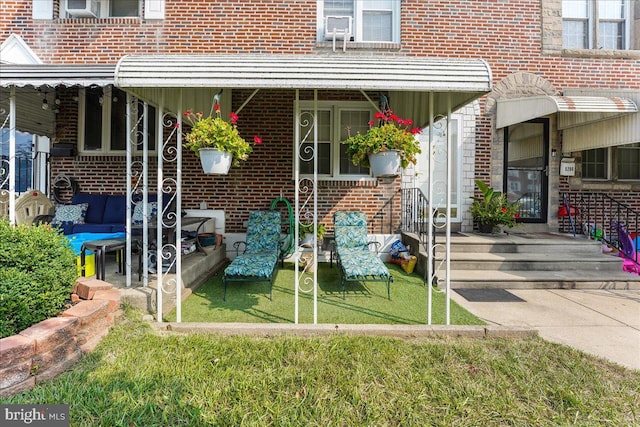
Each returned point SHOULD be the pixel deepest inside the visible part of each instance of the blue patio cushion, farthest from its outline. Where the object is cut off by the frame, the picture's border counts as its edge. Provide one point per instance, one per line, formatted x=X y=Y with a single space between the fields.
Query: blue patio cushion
x=360 y=263
x=259 y=265
x=115 y=209
x=350 y=229
x=263 y=232
x=263 y=247
x=93 y=228
x=96 y=203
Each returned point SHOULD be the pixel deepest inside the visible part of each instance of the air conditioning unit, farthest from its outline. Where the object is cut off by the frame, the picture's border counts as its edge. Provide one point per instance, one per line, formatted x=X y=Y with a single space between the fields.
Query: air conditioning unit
x=83 y=8
x=338 y=27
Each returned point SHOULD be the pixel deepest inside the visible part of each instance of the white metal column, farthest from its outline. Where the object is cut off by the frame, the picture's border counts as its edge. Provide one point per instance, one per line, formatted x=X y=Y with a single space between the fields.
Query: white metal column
x=306 y=205
x=438 y=258
x=169 y=220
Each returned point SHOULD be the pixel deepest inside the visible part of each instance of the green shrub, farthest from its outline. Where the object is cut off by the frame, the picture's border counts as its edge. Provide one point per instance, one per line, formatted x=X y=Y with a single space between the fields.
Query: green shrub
x=37 y=272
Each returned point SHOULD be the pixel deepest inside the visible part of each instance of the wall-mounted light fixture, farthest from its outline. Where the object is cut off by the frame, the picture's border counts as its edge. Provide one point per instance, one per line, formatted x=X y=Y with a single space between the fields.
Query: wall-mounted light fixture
x=554 y=152
x=45 y=104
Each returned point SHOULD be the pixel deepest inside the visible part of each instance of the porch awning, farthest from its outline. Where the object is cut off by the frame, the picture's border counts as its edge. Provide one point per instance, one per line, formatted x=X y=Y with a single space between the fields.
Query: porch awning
x=52 y=75
x=32 y=82
x=573 y=110
x=461 y=80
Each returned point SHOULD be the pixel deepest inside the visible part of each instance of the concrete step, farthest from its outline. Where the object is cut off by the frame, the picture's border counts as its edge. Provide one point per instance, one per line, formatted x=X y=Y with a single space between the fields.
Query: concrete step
x=546 y=261
x=514 y=279
x=533 y=261
x=502 y=243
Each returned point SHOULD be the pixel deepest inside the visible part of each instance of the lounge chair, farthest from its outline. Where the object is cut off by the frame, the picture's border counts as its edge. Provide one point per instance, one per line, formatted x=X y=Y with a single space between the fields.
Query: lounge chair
x=356 y=261
x=261 y=254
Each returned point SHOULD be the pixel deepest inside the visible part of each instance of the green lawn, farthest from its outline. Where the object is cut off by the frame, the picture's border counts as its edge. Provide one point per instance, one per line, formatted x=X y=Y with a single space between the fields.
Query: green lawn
x=141 y=377
x=364 y=303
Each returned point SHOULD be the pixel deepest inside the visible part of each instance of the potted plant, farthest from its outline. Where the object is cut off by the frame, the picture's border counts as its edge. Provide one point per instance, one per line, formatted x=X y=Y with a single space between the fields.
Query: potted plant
x=492 y=209
x=305 y=233
x=386 y=146
x=216 y=141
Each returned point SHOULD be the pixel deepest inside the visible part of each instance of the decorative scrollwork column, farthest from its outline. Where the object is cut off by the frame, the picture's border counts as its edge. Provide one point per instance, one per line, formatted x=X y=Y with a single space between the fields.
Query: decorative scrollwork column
x=4 y=166
x=306 y=204
x=168 y=254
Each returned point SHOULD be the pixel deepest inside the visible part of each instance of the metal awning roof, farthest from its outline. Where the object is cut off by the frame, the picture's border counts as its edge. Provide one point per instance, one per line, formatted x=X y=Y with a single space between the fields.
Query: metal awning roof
x=42 y=75
x=575 y=110
x=464 y=80
x=32 y=81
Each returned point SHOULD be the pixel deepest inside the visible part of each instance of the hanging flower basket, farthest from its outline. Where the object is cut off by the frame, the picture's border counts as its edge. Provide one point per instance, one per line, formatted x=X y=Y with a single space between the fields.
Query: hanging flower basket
x=385 y=163
x=391 y=144
x=214 y=161
x=216 y=141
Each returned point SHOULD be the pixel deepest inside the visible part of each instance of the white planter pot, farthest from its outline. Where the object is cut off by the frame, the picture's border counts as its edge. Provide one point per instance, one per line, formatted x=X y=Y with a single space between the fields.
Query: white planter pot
x=385 y=163
x=214 y=161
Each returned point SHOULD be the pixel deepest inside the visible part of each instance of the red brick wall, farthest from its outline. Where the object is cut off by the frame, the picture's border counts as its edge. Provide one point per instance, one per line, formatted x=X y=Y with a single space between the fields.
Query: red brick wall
x=508 y=34
x=253 y=185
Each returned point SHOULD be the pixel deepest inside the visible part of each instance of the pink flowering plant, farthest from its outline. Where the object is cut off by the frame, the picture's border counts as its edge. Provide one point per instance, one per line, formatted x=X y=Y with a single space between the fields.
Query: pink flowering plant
x=214 y=132
x=390 y=133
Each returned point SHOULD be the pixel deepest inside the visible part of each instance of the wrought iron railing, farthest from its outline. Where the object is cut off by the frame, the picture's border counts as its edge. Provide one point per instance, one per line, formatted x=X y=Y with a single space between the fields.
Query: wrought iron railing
x=415 y=209
x=596 y=215
x=23 y=172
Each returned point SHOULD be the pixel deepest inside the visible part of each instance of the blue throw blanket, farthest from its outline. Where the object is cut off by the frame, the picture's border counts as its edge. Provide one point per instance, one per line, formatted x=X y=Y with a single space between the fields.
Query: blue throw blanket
x=76 y=240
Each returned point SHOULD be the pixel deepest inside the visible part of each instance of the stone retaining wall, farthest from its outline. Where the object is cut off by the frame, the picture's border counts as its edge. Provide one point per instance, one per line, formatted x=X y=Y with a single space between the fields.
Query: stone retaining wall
x=50 y=347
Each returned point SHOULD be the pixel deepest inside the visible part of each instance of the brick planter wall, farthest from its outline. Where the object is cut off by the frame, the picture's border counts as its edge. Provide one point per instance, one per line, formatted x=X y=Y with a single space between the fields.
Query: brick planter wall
x=47 y=349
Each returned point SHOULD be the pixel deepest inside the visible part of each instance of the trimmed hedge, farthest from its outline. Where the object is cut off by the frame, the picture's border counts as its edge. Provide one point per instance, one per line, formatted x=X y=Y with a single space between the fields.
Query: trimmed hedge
x=37 y=273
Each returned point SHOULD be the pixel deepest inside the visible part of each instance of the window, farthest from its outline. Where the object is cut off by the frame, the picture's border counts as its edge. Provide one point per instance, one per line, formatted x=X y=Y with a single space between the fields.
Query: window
x=101 y=8
x=335 y=121
x=622 y=162
x=372 y=20
x=629 y=161
x=596 y=24
x=98 y=106
x=594 y=164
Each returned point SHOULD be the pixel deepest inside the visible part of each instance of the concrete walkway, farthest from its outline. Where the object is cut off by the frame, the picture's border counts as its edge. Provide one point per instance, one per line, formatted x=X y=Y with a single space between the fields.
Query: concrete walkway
x=604 y=323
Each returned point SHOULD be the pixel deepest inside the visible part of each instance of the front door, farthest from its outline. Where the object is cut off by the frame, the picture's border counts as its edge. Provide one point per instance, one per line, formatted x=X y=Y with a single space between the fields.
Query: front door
x=527 y=167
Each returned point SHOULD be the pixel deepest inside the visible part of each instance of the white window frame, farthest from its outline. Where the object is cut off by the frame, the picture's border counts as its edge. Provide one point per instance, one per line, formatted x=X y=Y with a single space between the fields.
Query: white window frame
x=358 y=22
x=106 y=130
x=335 y=107
x=103 y=11
x=593 y=21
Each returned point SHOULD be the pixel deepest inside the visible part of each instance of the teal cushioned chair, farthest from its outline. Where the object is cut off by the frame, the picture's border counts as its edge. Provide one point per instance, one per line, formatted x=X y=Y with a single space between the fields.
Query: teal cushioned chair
x=262 y=251
x=357 y=263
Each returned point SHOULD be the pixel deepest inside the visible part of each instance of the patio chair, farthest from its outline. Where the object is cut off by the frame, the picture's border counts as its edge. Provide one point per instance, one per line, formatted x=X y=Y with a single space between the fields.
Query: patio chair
x=31 y=205
x=356 y=261
x=261 y=254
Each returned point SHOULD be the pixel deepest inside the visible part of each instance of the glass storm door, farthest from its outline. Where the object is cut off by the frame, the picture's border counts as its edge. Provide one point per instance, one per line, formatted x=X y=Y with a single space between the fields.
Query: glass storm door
x=527 y=168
